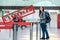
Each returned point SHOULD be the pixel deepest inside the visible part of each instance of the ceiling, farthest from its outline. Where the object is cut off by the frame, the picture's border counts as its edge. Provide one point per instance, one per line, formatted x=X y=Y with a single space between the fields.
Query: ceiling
x=29 y=2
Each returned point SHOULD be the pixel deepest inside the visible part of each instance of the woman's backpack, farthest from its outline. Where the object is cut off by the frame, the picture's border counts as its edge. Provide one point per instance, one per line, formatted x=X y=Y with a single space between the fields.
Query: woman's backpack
x=48 y=19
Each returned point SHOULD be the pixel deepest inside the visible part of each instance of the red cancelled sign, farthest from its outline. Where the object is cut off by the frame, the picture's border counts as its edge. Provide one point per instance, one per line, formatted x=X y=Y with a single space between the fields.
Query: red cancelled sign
x=22 y=12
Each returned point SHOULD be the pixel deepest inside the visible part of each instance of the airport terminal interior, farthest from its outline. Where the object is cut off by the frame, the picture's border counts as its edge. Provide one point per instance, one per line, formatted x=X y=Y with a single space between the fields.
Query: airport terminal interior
x=31 y=32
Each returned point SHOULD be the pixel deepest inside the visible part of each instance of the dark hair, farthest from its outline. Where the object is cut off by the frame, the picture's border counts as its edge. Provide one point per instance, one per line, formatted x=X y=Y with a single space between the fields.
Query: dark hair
x=40 y=10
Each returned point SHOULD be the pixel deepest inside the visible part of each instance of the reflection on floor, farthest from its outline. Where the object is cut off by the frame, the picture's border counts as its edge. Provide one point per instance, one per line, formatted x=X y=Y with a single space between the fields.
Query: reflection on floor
x=25 y=34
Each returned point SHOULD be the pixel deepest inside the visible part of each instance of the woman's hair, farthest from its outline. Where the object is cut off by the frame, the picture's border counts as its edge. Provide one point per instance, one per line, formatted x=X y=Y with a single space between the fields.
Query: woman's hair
x=43 y=8
x=40 y=10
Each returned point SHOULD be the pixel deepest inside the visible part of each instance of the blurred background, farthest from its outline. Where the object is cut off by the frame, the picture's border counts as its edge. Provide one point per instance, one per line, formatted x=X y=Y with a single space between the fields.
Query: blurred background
x=52 y=6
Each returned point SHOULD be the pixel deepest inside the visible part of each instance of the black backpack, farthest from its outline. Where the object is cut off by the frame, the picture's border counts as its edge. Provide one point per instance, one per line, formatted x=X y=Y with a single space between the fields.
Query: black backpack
x=48 y=19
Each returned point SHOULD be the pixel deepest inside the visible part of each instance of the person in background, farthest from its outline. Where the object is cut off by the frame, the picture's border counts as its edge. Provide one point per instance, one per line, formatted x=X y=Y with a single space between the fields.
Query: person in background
x=43 y=23
x=16 y=19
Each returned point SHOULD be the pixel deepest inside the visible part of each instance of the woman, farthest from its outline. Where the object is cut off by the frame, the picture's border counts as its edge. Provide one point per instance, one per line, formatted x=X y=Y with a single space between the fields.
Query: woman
x=43 y=23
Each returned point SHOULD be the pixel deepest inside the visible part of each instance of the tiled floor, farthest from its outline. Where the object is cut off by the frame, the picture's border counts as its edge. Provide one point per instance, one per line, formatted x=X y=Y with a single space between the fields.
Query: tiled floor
x=25 y=34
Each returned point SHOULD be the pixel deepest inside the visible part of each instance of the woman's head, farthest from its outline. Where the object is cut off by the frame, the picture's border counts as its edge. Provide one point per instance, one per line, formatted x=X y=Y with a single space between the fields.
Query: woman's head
x=41 y=8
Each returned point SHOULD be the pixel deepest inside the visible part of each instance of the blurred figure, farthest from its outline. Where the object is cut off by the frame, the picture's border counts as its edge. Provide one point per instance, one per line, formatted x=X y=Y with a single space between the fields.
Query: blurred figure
x=16 y=18
x=43 y=23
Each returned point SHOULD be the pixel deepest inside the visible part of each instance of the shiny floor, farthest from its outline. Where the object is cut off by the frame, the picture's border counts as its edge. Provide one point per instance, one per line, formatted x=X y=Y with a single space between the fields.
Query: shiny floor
x=24 y=34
